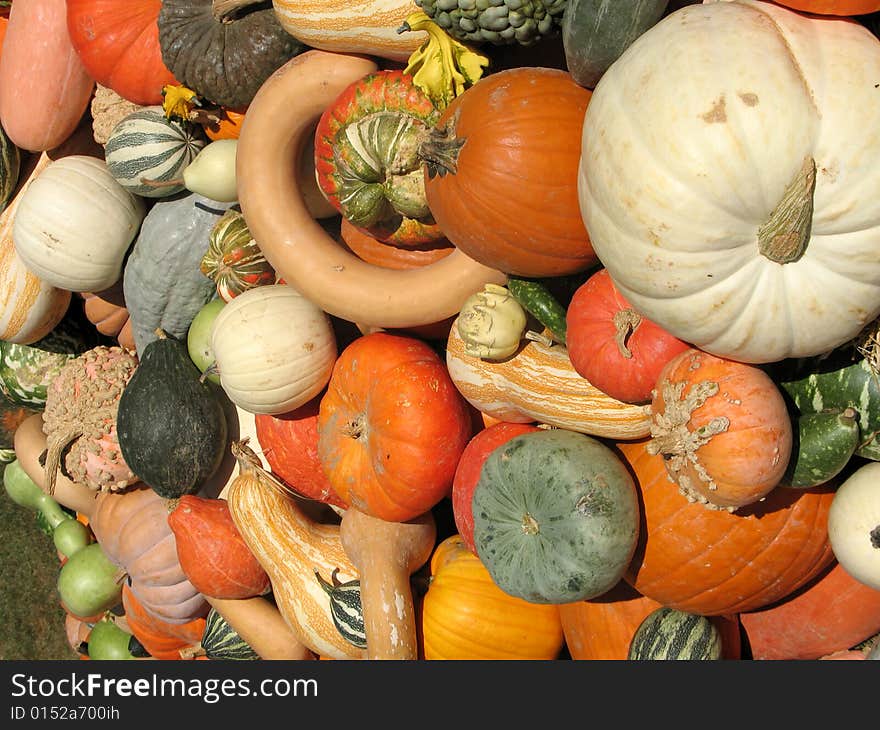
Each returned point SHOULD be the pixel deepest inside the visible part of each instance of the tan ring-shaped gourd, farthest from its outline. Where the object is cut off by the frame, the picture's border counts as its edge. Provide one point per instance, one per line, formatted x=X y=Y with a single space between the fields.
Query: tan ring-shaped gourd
x=280 y=121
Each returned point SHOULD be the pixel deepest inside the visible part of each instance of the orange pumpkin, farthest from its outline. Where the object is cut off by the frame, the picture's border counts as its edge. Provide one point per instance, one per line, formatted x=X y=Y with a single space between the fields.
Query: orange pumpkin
x=161 y=639
x=229 y=125
x=466 y=616
x=716 y=562
x=722 y=428
x=391 y=427
x=107 y=312
x=603 y=627
x=833 y=613
x=833 y=7
x=501 y=172
x=370 y=249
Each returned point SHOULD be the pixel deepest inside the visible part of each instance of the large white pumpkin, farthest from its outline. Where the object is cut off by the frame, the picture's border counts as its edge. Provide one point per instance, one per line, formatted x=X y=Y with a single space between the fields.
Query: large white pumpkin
x=273 y=349
x=697 y=134
x=75 y=223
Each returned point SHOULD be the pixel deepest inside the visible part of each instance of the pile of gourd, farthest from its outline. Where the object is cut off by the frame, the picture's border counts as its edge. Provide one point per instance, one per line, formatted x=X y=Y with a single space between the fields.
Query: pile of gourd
x=415 y=329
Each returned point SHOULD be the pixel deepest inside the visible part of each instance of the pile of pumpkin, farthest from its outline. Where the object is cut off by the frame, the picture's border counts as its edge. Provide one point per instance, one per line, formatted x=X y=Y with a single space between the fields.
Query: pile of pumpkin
x=407 y=329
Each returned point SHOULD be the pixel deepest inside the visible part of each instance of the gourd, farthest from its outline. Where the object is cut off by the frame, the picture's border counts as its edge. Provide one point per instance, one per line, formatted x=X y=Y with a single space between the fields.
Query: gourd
x=596 y=32
x=362 y=26
x=281 y=121
x=291 y=544
x=221 y=642
x=274 y=350
x=40 y=65
x=26 y=492
x=854 y=524
x=556 y=516
x=780 y=273
x=54 y=231
x=89 y=582
x=492 y=323
x=505 y=191
x=370 y=249
x=391 y=427
x=466 y=616
x=170 y=424
x=223 y=49
x=108 y=642
x=670 y=634
x=146 y=149
x=118 y=43
x=106 y=311
x=749 y=559
x=212 y=172
x=10 y=167
x=233 y=259
x=539 y=383
x=162 y=284
x=707 y=412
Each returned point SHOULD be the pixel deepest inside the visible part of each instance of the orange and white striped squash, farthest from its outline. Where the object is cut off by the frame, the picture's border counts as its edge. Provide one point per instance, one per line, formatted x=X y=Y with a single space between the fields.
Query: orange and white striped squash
x=539 y=383
x=352 y=26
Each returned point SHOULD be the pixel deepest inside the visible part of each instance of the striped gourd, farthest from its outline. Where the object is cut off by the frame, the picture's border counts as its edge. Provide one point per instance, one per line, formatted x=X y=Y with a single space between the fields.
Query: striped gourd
x=539 y=383
x=145 y=148
x=221 y=641
x=345 y=605
x=352 y=26
x=234 y=260
x=667 y=633
x=10 y=167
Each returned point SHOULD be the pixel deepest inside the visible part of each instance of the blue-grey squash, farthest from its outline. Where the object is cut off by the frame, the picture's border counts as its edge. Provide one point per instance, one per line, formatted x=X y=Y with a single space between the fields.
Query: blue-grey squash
x=163 y=285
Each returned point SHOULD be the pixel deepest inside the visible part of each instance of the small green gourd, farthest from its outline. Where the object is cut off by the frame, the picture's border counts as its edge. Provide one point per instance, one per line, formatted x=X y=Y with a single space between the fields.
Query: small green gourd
x=346 y=608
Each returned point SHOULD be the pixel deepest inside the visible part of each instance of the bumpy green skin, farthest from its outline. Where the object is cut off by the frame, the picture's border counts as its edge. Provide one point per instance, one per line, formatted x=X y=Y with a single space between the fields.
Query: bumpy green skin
x=499 y=23
x=667 y=634
x=824 y=444
x=221 y=641
x=851 y=385
x=596 y=32
x=556 y=517
x=171 y=427
x=536 y=298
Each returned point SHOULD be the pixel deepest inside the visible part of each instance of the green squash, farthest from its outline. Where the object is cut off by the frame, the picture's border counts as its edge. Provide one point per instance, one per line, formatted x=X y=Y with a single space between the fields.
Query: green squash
x=556 y=516
x=163 y=285
x=10 y=168
x=171 y=425
x=667 y=634
x=221 y=642
x=596 y=32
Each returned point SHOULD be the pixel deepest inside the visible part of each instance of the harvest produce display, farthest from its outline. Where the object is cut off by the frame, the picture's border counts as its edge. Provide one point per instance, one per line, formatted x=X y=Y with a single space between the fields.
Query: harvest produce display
x=446 y=329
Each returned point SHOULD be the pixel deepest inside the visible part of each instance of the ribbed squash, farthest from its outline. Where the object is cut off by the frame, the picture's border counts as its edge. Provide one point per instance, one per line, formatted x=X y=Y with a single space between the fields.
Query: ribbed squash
x=221 y=641
x=670 y=634
x=234 y=261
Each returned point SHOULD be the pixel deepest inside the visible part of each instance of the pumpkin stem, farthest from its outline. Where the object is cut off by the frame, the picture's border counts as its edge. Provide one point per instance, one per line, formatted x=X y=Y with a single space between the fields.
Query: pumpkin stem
x=539 y=337
x=212 y=369
x=223 y=9
x=355 y=428
x=55 y=448
x=530 y=525
x=625 y=323
x=784 y=235
x=192 y=651
x=440 y=149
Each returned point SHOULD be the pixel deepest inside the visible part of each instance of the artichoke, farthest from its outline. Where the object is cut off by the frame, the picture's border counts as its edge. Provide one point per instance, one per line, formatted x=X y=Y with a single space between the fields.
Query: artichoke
x=499 y=22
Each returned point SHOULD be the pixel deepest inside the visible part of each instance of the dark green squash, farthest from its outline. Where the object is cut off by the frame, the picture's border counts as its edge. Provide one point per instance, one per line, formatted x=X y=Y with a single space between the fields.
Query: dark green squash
x=224 y=50
x=170 y=425
x=667 y=634
x=10 y=168
x=221 y=642
x=556 y=516
x=596 y=32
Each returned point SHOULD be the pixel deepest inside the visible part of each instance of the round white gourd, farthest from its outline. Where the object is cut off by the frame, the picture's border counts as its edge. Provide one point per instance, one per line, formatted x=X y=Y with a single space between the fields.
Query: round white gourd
x=854 y=524
x=75 y=223
x=274 y=349
x=689 y=145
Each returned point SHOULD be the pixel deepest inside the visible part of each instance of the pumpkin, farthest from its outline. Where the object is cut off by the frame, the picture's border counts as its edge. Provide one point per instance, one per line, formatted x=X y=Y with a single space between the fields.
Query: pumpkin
x=368 y=248
x=503 y=187
x=274 y=349
x=556 y=516
x=132 y=528
x=289 y=443
x=747 y=559
x=228 y=126
x=831 y=613
x=161 y=639
x=854 y=524
x=833 y=7
x=211 y=550
x=54 y=231
x=467 y=473
x=539 y=383
x=223 y=49
x=466 y=616
x=612 y=345
x=745 y=258
x=118 y=43
x=352 y=26
x=722 y=428
x=106 y=311
x=162 y=284
x=391 y=426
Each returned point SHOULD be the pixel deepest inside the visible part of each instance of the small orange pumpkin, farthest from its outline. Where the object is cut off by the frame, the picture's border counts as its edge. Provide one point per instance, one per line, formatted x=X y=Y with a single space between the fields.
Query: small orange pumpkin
x=161 y=639
x=466 y=616
x=370 y=249
x=228 y=126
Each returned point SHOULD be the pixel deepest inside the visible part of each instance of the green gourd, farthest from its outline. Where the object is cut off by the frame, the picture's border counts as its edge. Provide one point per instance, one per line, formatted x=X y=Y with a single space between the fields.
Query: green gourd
x=170 y=424
x=221 y=642
x=26 y=492
x=10 y=168
x=667 y=634
x=556 y=516
x=109 y=642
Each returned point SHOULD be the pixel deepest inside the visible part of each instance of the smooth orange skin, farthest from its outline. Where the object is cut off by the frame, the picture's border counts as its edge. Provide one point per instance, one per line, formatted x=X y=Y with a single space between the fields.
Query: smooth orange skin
x=832 y=7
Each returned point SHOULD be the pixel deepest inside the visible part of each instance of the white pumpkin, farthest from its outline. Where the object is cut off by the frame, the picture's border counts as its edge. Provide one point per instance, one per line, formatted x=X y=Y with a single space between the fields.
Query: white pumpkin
x=716 y=117
x=75 y=223
x=273 y=349
x=854 y=524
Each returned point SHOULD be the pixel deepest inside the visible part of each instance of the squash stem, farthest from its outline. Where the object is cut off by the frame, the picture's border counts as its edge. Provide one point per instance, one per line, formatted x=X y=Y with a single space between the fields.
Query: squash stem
x=625 y=323
x=440 y=149
x=784 y=236
x=223 y=9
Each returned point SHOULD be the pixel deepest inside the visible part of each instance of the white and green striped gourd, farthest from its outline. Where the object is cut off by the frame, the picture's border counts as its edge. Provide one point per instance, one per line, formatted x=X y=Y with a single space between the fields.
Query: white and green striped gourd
x=669 y=634
x=146 y=149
